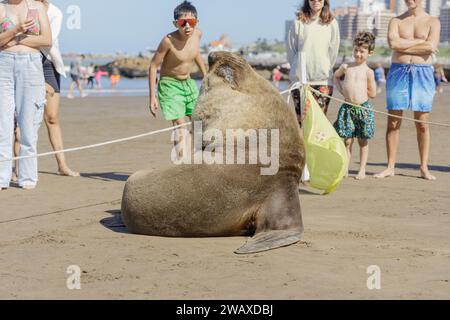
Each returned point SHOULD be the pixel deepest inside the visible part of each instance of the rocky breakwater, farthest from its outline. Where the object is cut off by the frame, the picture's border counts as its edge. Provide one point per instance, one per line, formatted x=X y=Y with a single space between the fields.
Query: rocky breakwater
x=137 y=67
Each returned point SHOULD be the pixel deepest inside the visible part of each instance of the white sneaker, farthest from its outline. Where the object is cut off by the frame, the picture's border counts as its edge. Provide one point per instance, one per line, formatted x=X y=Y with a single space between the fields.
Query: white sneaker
x=29 y=187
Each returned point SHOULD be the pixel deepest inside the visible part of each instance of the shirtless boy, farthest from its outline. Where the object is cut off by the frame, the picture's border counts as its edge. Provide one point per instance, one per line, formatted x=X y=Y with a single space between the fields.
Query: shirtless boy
x=414 y=38
x=177 y=92
x=358 y=86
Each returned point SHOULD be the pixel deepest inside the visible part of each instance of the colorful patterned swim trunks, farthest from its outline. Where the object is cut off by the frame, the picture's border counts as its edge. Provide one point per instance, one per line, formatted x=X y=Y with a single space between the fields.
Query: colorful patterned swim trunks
x=354 y=122
x=411 y=87
x=177 y=98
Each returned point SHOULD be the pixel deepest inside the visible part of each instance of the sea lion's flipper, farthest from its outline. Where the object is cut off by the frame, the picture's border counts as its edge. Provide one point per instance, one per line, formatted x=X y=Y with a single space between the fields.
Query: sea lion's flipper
x=279 y=220
x=266 y=241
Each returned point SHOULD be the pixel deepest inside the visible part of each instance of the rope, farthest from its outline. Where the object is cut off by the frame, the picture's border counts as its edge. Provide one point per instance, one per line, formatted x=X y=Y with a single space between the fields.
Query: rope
x=293 y=87
x=297 y=86
x=99 y=144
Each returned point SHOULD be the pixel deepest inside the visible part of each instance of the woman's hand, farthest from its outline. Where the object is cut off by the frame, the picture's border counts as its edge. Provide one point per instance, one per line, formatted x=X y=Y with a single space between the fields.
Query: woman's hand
x=22 y=28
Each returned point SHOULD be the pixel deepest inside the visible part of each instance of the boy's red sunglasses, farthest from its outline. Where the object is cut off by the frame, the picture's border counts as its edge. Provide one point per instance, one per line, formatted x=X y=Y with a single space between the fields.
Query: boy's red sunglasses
x=182 y=22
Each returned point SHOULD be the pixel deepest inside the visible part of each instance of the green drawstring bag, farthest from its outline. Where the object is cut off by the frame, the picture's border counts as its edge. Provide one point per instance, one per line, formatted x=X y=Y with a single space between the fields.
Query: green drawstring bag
x=326 y=155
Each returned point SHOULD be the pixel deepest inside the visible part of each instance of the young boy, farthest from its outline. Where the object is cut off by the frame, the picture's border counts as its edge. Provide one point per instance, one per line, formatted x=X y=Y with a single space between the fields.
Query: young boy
x=357 y=87
x=177 y=92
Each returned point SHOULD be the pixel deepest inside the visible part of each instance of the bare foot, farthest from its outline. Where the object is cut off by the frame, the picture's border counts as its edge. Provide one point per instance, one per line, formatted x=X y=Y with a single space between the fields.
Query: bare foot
x=14 y=177
x=425 y=174
x=361 y=176
x=68 y=173
x=388 y=173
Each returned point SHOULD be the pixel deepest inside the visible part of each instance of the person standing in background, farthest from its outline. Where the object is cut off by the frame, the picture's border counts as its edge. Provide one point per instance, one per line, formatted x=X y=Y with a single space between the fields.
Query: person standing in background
x=77 y=77
x=53 y=70
x=314 y=36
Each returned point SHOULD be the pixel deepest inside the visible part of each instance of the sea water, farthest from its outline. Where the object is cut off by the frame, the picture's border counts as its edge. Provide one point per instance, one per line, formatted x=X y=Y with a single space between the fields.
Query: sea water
x=126 y=88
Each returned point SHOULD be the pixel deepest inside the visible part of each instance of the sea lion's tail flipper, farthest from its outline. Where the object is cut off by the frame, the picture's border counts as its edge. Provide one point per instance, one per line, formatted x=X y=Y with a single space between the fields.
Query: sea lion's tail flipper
x=270 y=240
x=278 y=221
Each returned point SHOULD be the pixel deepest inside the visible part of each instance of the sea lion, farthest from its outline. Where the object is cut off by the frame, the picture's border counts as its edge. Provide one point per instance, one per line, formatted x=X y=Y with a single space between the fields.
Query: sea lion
x=227 y=200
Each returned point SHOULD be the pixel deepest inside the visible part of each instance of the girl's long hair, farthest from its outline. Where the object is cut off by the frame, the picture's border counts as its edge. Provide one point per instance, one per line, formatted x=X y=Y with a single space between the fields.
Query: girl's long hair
x=305 y=13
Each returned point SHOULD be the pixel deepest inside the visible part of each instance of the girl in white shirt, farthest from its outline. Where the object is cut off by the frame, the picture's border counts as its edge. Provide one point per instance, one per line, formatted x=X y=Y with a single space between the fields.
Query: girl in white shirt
x=316 y=34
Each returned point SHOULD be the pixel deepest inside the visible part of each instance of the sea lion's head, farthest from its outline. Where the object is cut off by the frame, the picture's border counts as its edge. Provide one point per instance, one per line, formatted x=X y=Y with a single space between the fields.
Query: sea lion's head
x=235 y=97
x=229 y=70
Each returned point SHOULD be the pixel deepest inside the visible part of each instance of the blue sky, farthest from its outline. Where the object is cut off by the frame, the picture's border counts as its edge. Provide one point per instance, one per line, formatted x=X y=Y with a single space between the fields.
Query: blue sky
x=135 y=25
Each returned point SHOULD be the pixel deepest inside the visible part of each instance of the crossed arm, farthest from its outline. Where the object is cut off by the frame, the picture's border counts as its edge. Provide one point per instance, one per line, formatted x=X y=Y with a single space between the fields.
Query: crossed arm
x=18 y=36
x=415 y=46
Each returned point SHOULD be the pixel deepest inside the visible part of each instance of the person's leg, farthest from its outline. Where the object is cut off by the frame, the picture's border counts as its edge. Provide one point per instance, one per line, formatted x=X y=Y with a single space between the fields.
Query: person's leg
x=7 y=106
x=182 y=139
x=80 y=89
x=71 y=88
x=51 y=117
x=30 y=103
x=364 y=156
x=349 y=146
x=323 y=99
x=296 y=97
x=423 y=139
x=392 y=139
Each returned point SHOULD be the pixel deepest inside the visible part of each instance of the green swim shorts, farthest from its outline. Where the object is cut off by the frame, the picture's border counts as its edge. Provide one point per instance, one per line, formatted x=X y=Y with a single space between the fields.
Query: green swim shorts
x=177 y=98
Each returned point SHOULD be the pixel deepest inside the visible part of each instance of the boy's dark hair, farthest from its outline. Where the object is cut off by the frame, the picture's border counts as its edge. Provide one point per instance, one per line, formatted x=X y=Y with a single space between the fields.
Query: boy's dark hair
x=365 y=39
x=184 y=8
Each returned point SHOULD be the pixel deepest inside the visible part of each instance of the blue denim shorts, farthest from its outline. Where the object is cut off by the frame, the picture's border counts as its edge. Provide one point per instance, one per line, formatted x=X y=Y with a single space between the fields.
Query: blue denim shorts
x=411 y=87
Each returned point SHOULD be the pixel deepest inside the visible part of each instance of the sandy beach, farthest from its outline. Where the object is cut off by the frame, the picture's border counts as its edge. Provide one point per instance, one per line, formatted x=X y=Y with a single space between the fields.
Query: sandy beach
x=401 y=225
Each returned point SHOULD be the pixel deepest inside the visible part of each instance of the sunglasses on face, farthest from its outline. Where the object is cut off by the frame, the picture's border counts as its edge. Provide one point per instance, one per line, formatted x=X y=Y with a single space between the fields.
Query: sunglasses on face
x=183 y=22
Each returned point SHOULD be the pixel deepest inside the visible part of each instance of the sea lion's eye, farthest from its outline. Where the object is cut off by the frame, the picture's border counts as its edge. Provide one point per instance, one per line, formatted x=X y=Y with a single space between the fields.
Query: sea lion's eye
x=227 y=73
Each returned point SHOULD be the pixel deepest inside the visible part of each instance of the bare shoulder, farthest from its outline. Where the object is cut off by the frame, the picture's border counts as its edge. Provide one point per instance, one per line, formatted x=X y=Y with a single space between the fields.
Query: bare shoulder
x=198 y=33
x=370 y=72
x=170 y=37
x=401 y=17
x=38 y=5
x=434 y=21
x=395 y=20
x=166 y=42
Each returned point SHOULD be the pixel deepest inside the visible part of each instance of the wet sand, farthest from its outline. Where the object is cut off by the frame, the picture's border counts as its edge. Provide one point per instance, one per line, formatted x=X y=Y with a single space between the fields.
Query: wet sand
x=401 y=225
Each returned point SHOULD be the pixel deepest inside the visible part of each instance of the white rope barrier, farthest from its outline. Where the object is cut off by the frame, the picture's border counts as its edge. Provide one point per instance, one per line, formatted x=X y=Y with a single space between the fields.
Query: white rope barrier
x=297 y=86
x=293 y=87
x=99 y=144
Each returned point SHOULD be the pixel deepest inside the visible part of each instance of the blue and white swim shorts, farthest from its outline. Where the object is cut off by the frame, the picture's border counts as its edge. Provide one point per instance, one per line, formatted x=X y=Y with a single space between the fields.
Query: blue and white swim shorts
x=411 y=87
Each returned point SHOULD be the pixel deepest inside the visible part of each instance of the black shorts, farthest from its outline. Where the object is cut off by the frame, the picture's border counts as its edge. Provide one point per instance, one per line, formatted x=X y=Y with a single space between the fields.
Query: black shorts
x=52 y=77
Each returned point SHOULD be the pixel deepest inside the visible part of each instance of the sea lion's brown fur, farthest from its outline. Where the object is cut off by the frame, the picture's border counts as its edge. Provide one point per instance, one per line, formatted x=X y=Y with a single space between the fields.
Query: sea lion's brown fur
x=227 y=200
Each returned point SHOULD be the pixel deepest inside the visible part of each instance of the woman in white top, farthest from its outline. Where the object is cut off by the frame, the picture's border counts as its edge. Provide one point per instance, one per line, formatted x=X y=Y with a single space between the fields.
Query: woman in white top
x=315 y=33
x=53 y=70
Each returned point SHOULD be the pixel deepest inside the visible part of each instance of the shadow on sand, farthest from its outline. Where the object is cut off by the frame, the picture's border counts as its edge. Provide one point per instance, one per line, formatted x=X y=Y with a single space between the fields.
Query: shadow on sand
x=105 y=176
x=114 y=223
